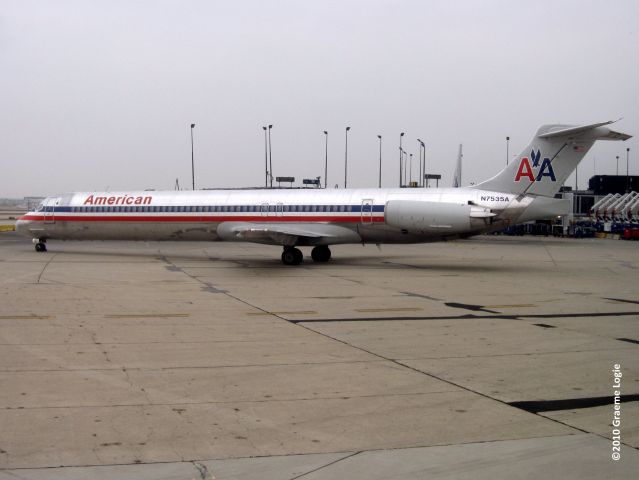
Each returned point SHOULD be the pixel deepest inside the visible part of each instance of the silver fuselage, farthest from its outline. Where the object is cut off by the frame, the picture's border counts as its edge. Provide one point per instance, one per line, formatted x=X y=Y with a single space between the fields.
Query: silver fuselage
x=360 y=214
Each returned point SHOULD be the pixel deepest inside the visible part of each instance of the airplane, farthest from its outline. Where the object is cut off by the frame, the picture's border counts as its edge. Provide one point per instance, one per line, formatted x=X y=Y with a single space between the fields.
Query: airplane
x=523 y=191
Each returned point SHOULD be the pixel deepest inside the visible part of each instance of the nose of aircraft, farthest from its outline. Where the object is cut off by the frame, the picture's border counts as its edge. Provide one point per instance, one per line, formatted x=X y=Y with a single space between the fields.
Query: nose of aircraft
x=22 y=226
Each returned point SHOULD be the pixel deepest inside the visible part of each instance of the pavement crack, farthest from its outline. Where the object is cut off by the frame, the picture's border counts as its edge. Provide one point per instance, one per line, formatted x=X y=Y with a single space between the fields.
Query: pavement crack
x=45 y=267
x=325 y=466
x=101 y=346
x=203 y=471
x=130 y=382
x=549 y=254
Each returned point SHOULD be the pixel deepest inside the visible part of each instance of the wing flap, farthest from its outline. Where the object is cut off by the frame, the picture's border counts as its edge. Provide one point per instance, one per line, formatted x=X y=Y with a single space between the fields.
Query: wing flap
x=287 y=234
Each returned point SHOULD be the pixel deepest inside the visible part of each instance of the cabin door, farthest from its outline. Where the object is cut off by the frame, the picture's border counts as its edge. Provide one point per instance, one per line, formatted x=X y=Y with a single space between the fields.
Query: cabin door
x=49 y=210
x=367 y=211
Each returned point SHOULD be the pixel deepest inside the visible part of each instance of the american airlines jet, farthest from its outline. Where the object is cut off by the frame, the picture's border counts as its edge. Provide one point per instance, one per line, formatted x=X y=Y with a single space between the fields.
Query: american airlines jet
x=521 y=192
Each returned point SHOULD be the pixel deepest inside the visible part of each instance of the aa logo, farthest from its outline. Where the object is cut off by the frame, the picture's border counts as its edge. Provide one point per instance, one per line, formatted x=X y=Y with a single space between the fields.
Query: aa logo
x=528 y=167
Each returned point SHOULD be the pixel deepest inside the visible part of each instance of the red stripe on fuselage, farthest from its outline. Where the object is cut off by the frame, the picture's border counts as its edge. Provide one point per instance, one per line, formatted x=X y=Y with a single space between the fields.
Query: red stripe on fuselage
x=199 y=218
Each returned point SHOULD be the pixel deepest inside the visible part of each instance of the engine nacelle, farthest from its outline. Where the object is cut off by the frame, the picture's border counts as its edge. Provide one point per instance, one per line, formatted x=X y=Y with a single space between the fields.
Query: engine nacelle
x=436 y=217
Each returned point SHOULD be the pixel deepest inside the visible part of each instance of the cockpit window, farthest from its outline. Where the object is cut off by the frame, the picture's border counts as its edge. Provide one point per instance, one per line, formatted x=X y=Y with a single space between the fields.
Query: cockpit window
x=40 y=207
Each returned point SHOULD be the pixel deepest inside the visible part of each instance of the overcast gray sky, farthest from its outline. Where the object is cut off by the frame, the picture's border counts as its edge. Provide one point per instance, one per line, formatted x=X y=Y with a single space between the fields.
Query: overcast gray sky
x=101 y=94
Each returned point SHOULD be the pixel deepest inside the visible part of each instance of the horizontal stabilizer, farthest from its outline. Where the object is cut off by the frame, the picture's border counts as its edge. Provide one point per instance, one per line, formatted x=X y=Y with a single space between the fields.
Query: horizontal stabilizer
x=603 y=134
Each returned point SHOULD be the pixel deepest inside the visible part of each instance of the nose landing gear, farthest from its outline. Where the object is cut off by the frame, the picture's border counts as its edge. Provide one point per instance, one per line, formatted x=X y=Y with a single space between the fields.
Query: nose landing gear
x=40 y=244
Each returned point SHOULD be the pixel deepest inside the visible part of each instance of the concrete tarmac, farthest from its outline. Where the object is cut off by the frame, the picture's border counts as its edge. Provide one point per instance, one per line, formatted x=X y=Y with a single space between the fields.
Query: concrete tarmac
x=484 y=358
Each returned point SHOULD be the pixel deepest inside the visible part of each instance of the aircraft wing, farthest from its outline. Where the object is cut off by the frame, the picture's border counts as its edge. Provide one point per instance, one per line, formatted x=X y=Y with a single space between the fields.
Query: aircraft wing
x=274 y=233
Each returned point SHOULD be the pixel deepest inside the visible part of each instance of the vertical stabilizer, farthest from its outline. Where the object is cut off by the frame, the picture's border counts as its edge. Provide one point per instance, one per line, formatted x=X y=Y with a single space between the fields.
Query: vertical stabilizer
x=552 y=155
x=457 y=177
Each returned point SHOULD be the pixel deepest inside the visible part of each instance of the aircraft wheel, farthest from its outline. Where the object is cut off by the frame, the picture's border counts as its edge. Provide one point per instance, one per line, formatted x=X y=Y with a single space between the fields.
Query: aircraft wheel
x=321 y=254
x=292 y=256
x=40 y=247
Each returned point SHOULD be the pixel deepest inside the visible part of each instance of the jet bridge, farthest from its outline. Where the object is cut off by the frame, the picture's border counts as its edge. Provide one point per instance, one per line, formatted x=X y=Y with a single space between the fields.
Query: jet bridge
x=601 y=210
x=617 y=208
x=630 y=211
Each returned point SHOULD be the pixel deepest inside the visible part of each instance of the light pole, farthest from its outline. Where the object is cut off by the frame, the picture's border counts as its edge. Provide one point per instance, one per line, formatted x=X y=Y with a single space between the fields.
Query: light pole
x=627 y=164
x=270 y=156
x=422 y=166
x=410 y=171
x=419 y=146
x=265 y=159
x=380 y=161
x=617 y=165
x=192 y=157
x=507 y=145
x=401 y=162
x=346 y=157
x=405 y=162
x=325 y=158
x=424 y=169
x=400 y=159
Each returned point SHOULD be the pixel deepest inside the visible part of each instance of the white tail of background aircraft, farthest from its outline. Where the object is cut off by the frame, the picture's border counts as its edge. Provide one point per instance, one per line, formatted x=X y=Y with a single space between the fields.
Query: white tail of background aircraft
x=318 y=218
x=457 y=176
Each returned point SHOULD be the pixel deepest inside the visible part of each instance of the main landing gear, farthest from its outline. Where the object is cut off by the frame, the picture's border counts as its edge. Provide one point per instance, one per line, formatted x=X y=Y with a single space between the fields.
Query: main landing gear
x=321 y=254
x=293 y=256
x=40 y=244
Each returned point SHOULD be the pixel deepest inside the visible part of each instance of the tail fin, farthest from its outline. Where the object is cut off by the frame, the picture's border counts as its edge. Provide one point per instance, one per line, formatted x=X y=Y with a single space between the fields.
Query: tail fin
x=552 y=155
x=458 y=169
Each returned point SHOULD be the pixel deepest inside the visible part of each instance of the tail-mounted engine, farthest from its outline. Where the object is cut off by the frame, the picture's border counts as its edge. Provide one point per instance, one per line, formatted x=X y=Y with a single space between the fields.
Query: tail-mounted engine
x=435 y=217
